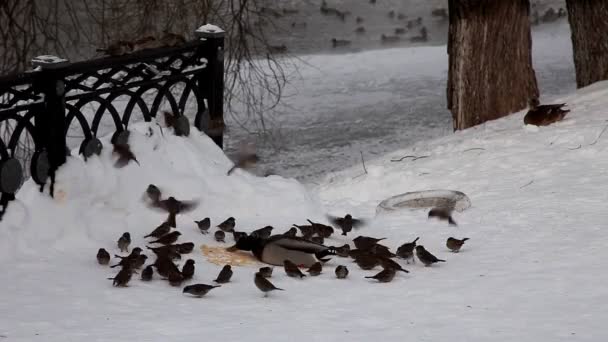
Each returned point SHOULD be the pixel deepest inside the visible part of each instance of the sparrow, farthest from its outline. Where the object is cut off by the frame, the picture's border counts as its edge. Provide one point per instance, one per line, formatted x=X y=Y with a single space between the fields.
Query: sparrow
x=342 y=251
x=384 y=276
x=168 y=239
x=175 y=278
x=389 y=263
x=204 y=225
x=103 y=257
x=341 y=272
x=426 y=257
x=125 y=155
x=153 y=193
x=238 y=235
x=367 y=261
x=220 y=236
x=118 y=48
x=265 y=272
x=159 y=231
x=292 y=232
x=381 y=250
x=346 y=223
x=306 y=231
x=315 y=269
x=123 y=277
x=139 y=261
x=146 y=274
x=184 y=248
x=174 y=207
x=245 y=159
x=188 y=269
x=225 y=275
x=321 y=229
x=292 y=269
x=164 y=266
x=262 y=233
x=129 y=260
x=199 y=290
x=123 y=242
x=228 y=225
x=454 y=244
x=443 y=214
x=168 y=252
x=366 y=243
x=406 y=251
x=264 y=284
x=317 y=239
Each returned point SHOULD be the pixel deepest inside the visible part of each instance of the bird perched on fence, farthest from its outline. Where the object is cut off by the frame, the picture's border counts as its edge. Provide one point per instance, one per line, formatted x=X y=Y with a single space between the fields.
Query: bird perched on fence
x=118 y=48
x=443 y=214
x=125 y=155
x=346 y=223
x=264 y=284
x=454 y=244
x=406 y=251
x=124 y=241
x=103 y=257
x=199 y=290
x=384 y=276
x=426 y=257
x=544 y=115
x=159 y=231
x=225 y=275
x=341 y=272
x=204 y=225
x=228 y=225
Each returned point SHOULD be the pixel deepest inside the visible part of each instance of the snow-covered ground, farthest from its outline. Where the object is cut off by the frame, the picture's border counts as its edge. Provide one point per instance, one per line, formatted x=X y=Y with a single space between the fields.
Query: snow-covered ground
x=532 y=271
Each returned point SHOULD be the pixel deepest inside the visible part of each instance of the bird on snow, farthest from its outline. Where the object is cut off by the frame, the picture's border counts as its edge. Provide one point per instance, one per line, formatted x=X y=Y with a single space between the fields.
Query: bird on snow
x=103 y=257
x=147 y=273
x=443 y=214
x=228 y=225
x=346 y=223
x=544 y=115
x=188 y=269
x=315 y=269
x=265 y=272
x=159 y=231
x=366 y=243
x=454 y=244
x=225 y=275
x=123 y=277
x=123 y=242
x=262 y=233
x=220 y=236
x=292 y=269
x=341 y=272
x=204 y=225
x=199 y=290
x=184 y=248
x=384 y=276
x=125 y=155
x=168 y=238
x=426 y=257
x=406 y=251
x=264 y=284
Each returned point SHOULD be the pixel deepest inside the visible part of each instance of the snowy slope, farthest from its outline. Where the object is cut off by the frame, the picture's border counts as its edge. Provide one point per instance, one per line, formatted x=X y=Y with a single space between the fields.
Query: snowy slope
x=532 y=271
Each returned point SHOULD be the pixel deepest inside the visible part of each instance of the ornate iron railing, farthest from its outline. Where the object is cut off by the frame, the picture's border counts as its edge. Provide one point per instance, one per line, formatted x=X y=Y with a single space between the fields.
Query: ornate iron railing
x=44 y=105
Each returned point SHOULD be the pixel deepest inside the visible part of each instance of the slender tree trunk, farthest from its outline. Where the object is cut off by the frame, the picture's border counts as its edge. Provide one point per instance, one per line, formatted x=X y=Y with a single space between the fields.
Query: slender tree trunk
x=490 y=60
x=589 y=26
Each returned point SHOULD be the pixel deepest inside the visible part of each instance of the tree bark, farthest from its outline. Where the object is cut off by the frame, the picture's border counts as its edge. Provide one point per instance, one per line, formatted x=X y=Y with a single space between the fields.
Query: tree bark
x=589 y=26
x=490 y=60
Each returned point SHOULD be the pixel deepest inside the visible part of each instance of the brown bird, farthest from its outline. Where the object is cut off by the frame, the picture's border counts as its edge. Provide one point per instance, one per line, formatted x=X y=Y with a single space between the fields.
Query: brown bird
x=382 y=251
x=118 y=48
x=124 y=241
x=366 y=243
x=367 y=261
x=168 y=252
x=342 y=251
x=262 y=233
x=306 y=231
x=292 y=269
x=175 y=278
x=199 y=290
x=292 y=232
x=168 y=239
x=389 y=263
x=184 y=248
x=443 y=214
x=384 y=276
x=247 y=158
x=315 y=269
x=238 y=235
x=426 y=257
x=139 y=261
x=225 y=275
x=406 y=251
x=220 y=236
x=454 y=244
x=159 y=231
x=188 y=269
x=164 y=266
x=125 y=155
x=123 y=277
x=129 y=260
x=317 y=239
x=346 y=223
x=544 y=115
x=341 y=272
x=320 y=229
x=228 y=225
x=264 y=284
x=204 y=225
x=103 y=257
x=265 y=272
x=147 y=273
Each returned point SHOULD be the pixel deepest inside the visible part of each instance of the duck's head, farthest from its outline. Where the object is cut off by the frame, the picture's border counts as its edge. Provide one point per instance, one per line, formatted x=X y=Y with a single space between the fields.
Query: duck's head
x=533 y=102
x=246 y=243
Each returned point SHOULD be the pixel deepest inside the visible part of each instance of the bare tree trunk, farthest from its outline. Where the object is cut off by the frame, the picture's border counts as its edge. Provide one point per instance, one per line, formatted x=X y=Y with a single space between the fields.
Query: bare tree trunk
x=589 y=26
x=490 y=60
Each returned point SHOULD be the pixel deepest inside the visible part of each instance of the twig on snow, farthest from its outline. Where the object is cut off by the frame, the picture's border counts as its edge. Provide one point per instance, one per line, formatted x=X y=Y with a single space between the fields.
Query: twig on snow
x=414 y=158
x=575 y=148
x=474 y=148
x=364 y=168
x=525 y=185
x=599 y=136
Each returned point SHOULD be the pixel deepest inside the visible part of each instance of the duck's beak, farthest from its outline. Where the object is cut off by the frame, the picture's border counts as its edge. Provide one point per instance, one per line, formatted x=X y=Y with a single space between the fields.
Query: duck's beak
x=232 y=249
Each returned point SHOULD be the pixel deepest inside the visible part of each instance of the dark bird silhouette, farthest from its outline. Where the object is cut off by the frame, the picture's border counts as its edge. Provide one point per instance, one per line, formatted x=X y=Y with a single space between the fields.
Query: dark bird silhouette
x=264 y=284
x=443 y=214
x=426 y=257
x=367 y=261
x=292 y=232
x=340 y=42
x=168 y=239
x=238 y=235
x=140 y=260
x=129 y=260
x=320 y=229
x=406 y=251
x=168 y=252
x=125 y=155
x=306 y=231
x=188 y=269
x=123 y=277
x=389 y=263
x=384 y=276
x=184 y=248
x=170 y=39
x=454 y=244
x=103 y=257
x=366 y=243
x=265 y=272
x=228 y=225
x=153 y=193
x=175 y=278
x=315 y=269
x=346 y=223
x=342 y=251
x=204 y=225
x=174 y=206
x=123 y=242
x=381 y=251
x=118 y=48
x=164 y=266
x=292 y=269
x=341 y=272
x=262 y=233
x=199 y=290
x=317 y=239
x=147 y=273
x=225 y=275
x=159 y=231
x=220 y=236
x=544 y=115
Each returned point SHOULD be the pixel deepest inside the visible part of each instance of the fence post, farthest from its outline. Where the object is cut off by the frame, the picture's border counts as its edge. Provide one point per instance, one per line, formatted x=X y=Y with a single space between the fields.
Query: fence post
x=50 y=120
x=211 y=82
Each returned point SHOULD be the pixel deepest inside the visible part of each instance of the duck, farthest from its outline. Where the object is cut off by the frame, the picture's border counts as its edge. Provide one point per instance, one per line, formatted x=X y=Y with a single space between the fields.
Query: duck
x=278 y=248
x=544 y=115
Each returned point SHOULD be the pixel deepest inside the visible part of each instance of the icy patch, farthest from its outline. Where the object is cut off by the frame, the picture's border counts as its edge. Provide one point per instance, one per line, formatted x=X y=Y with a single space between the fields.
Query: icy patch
x=426 y=199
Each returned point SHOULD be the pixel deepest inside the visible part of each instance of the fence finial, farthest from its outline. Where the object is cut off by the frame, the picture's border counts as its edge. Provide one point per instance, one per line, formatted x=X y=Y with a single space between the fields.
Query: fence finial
x=209 y=31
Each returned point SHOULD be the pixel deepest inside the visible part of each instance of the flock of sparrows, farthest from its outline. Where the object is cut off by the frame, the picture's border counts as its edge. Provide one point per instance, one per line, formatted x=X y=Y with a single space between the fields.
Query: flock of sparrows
x=367 y=254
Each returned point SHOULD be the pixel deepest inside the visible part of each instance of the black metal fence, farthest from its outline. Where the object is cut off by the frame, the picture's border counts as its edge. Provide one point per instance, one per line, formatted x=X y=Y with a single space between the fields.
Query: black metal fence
x=42 y=105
